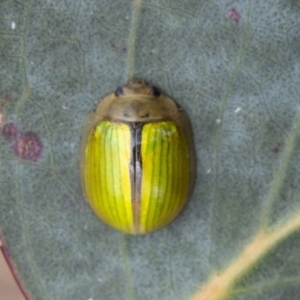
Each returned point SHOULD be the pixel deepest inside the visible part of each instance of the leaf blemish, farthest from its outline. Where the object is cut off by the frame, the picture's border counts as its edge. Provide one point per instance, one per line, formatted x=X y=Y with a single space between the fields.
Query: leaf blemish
x=234 y=14
x=9 y=132
x=237 y=110
x=277 y=148
x=28 y=146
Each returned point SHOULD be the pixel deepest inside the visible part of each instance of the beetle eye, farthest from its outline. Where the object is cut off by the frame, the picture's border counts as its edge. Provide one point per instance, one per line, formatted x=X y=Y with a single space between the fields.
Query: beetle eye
x=155 y=91
x=119 y=92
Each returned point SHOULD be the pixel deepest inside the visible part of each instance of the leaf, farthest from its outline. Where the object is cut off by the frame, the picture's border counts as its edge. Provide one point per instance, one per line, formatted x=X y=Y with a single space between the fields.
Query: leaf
x=235 y=69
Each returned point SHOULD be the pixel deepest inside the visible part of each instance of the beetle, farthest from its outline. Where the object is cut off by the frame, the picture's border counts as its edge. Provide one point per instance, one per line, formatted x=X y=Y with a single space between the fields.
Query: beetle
x=137 y=160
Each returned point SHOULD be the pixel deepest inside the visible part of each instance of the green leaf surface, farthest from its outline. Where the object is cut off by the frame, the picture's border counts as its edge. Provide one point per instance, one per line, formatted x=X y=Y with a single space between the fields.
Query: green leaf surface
x=234 y=67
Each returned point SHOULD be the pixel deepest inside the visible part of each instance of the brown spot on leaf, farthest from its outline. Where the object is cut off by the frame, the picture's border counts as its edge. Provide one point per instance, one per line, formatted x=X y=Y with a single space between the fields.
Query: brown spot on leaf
x=10 y=131
x=28 y=146
x=234 y=14
x=277 y=148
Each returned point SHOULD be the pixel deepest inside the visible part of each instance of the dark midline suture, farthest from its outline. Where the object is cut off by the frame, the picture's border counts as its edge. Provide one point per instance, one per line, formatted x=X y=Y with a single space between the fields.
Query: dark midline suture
x=136 y=171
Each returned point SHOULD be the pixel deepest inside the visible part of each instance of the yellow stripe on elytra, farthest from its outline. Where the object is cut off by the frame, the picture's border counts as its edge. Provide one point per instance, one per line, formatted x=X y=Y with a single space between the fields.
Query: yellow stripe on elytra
x=124 y=159
x=165 y=176
x=107 y=174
